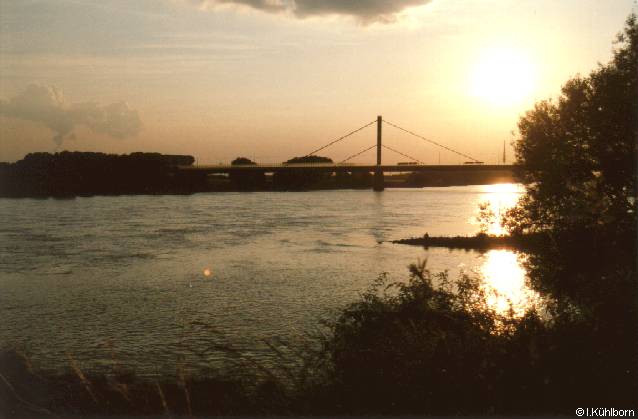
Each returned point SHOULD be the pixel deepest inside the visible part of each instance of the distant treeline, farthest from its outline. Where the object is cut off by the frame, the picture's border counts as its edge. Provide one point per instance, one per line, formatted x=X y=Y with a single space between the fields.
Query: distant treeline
x=87 y=173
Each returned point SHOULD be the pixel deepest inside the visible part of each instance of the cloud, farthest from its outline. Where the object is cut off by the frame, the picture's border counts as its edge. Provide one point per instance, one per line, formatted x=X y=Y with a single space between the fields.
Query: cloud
x=365 y=10
x=46 y=105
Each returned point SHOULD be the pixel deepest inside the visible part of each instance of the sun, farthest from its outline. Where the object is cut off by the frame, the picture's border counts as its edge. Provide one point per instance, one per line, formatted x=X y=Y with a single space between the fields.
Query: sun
x=502 y=77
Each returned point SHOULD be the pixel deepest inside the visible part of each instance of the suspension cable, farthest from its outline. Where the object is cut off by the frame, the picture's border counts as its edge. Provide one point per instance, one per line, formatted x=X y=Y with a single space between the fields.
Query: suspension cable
x=430 y=141
x=341 y=138
x=358 y=154
x=403 y=154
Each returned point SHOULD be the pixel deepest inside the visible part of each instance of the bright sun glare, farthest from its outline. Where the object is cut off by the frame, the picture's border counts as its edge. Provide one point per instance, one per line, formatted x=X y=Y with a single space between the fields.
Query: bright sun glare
x=502 y=77
x=505 y=283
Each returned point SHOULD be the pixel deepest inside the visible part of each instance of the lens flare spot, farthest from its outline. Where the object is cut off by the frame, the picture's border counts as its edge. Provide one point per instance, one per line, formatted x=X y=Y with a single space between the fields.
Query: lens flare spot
x=207 y=272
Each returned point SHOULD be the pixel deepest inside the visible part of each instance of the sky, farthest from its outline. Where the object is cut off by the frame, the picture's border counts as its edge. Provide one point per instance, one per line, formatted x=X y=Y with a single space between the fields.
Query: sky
x=274 y=79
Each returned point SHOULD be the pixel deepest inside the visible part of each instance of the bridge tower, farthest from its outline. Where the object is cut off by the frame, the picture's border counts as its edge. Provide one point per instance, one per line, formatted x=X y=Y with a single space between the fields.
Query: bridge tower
x=378 y=184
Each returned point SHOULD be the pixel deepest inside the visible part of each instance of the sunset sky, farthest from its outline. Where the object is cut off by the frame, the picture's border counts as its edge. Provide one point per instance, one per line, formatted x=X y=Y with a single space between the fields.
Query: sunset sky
x=273 y=79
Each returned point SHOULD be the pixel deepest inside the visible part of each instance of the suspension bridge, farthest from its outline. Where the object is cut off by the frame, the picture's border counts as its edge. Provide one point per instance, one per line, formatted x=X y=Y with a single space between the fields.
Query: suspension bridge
x=413 y=165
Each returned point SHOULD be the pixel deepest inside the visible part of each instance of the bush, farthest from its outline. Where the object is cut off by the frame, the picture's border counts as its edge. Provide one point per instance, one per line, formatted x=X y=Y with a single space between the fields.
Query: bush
x=416 y=348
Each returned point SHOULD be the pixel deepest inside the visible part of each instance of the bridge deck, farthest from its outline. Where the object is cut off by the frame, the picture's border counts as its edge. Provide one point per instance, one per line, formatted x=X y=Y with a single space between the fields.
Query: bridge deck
x=270 y=168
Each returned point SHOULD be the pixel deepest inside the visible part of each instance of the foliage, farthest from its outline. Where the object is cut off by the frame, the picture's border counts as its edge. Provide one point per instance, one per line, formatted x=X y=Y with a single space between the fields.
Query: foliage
x=86 y=173
x=434 y=346
x=403 y=346
x=309 y=159
x=242 y=161
x=485 y=217
x=577 y=156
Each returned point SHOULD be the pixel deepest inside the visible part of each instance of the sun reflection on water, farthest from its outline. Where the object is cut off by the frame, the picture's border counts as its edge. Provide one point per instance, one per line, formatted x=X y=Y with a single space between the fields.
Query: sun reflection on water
x=505 y=284
x=500 y=197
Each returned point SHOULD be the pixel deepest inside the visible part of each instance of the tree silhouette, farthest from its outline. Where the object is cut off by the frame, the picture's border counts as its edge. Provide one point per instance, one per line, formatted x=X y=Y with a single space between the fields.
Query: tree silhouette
x=242 y=161
x=309 y=159
x=577 y=156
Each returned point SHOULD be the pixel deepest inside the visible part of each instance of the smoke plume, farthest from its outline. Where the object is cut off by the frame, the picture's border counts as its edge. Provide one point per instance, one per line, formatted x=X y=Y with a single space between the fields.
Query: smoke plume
x=45 y=105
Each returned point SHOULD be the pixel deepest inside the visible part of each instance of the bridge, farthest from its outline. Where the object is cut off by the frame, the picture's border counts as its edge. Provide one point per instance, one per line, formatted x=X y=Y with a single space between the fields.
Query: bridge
x=414 y=165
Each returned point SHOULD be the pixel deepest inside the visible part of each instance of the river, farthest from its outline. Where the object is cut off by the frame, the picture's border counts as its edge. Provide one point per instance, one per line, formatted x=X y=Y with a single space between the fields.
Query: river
x=146 y=281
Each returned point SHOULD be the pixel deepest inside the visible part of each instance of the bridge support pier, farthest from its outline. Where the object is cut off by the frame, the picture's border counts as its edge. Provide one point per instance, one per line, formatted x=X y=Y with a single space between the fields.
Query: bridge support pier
x=378 y=184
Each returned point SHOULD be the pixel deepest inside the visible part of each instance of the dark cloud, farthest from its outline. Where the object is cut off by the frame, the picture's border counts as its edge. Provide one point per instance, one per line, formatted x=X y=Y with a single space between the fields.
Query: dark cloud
x=366 y=10
x=46 y=105
x=380 y=10
x=265 y=5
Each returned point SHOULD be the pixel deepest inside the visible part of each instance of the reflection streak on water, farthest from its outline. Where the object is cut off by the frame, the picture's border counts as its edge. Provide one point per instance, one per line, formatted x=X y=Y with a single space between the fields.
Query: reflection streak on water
x=501 y=197
x=504 y=279
x=505 y=283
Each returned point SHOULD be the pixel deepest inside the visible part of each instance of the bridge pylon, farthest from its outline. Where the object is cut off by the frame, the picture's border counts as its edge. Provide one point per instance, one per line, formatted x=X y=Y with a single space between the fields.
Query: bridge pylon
x=378 y=184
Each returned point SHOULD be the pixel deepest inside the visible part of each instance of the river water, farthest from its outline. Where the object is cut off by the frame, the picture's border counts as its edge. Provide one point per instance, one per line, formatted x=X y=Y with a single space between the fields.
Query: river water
x=148 y=281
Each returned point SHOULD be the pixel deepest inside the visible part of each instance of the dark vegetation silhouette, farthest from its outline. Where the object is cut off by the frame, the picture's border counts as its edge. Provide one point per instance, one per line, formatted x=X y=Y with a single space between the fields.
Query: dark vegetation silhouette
x=309 y=160
x=577 y=156
x=85 y=173
x=430 y=345
x=242 y=161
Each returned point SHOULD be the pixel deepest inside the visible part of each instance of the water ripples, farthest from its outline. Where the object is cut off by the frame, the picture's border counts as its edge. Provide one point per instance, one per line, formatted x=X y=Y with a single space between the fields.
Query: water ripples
x=125 y=276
